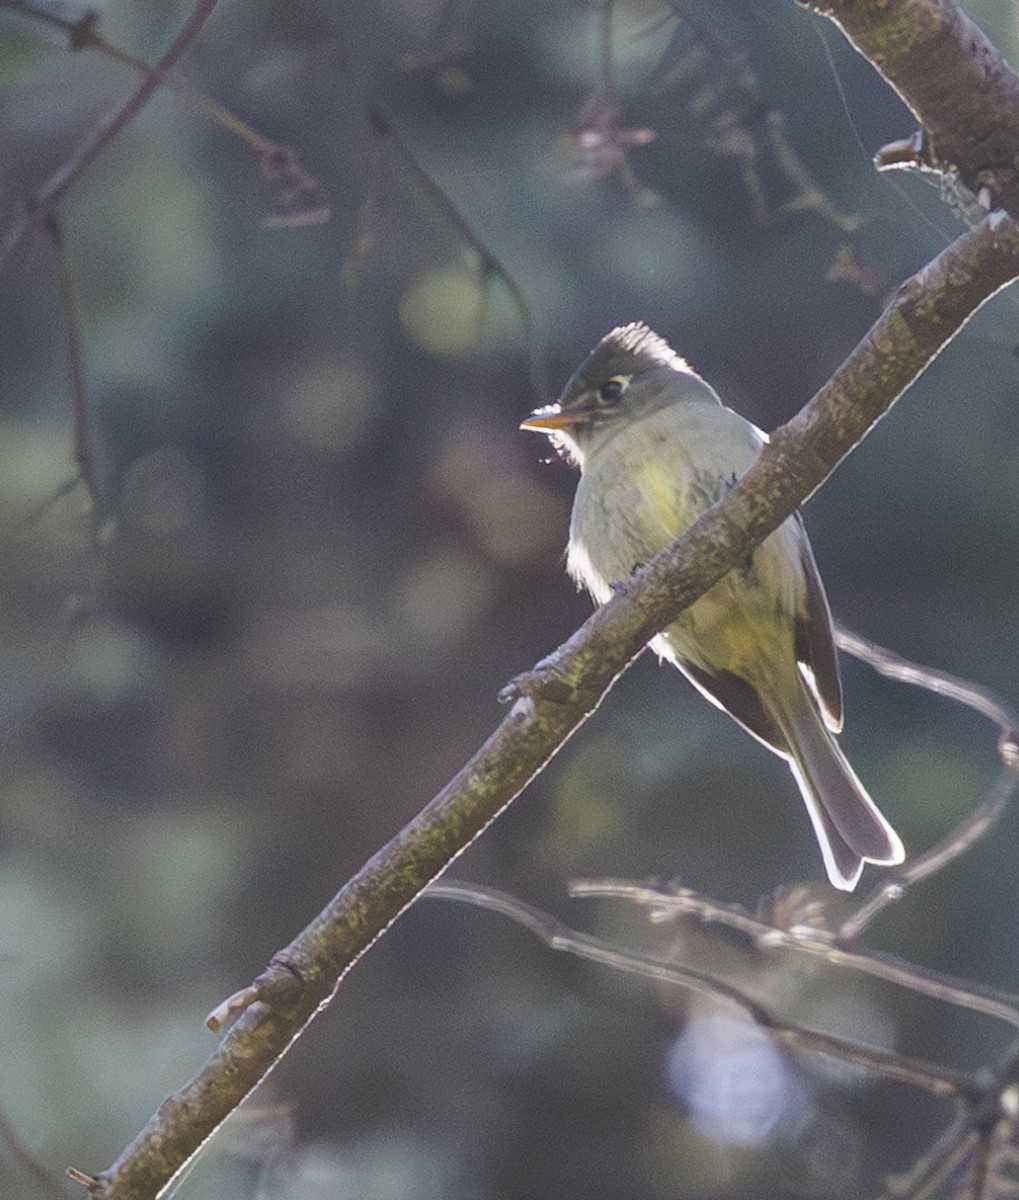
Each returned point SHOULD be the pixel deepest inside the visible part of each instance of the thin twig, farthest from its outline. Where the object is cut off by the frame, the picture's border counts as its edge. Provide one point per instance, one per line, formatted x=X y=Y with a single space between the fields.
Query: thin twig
x=605 y=41
x=557 y=935
x=39 y=206
x=75 y=20
x=303 y=201
x=973 y=695
x=81 y=452
x=29 y=1164
x=599 y=141
x=666 y=904
x=976 y=823
x=490 y=265
x=935 y=1168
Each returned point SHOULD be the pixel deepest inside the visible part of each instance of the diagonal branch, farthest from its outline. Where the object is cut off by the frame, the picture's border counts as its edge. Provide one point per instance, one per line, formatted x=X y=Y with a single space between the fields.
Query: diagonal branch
x=558 y=696
x=53 y=190
x=300 y=198
x=955 y=81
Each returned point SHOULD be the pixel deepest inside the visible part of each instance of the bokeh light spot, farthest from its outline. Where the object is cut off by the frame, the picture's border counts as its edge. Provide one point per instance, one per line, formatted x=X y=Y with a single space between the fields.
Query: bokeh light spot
x=443 y=312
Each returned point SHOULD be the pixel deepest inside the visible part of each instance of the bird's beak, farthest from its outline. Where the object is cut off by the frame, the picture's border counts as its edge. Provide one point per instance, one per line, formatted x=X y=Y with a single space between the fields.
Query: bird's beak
x=552 y=419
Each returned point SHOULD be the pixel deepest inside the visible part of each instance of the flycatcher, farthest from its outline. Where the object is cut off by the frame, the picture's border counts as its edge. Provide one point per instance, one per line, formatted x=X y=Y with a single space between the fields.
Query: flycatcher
x=656 y=448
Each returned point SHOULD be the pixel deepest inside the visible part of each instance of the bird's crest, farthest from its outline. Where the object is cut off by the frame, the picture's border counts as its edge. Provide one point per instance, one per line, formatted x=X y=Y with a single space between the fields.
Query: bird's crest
x=637 y=339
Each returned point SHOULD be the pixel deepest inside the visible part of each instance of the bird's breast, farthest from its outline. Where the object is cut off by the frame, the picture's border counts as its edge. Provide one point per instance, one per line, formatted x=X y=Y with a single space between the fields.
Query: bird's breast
x=633 y=498
x=648 y=482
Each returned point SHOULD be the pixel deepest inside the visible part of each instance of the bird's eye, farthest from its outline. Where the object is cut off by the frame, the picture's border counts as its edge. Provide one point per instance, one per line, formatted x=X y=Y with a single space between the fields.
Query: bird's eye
x=611 y=391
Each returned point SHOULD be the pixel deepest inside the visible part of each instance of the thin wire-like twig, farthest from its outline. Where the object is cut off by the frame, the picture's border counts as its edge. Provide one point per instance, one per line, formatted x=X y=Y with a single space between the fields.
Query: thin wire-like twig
x=557 y=935
x=973 y=695
x=668 y=904
x=936 y=1167
x=81 y=452
x=303 y=201
x=490 y=265
x=59 y=15
x=976 y=823
x=49 y=1182
x=54 y=189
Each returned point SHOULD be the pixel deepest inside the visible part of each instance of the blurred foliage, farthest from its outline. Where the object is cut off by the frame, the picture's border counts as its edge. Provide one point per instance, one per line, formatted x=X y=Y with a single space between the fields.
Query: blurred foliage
x=328 y=546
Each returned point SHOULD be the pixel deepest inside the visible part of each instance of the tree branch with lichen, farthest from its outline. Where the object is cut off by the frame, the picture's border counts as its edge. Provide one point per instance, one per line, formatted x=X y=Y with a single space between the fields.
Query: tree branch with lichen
x=954 y=80
x=553 y=700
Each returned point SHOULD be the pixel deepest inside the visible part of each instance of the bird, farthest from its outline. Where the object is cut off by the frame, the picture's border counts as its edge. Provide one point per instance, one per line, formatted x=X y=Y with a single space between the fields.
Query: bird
x=656 y=448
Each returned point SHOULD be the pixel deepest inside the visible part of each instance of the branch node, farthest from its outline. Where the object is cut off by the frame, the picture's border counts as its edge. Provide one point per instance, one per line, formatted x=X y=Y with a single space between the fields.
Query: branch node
x=89 y=1181
x=280 y=962
x=888 y=892
x=914 y=152
x=231 y=1008
x=83 y=32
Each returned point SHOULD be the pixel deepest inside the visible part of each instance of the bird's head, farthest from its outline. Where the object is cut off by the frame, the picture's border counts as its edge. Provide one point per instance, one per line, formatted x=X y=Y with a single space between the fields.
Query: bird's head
x=630 y=374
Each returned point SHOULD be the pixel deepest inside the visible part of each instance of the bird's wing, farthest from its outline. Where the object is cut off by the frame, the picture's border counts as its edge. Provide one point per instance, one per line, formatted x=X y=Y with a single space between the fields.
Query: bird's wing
x=815 y=641
x=740 y=699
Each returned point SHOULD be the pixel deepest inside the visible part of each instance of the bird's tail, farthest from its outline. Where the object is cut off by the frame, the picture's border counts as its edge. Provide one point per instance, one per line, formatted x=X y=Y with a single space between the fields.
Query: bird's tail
x=848 y=824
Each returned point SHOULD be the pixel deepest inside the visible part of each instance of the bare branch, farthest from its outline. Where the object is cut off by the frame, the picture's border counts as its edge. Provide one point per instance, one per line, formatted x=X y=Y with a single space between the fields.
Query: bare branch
x=976 y=823
x=955 y=81
x=81 y=452
x=937 y=1081
x=56 y=186
x=807 y=937
x=722 y=93
x=76 y=20
x=599 y=141
x=940 y=1163
x=300 y=197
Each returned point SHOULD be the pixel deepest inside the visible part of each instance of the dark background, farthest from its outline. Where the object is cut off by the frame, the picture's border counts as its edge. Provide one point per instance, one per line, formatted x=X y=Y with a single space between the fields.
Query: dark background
x=327 y=546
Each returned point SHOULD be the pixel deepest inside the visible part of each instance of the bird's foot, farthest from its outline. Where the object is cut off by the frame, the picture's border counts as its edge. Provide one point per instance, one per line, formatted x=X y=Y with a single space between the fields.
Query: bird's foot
x=546 y=680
